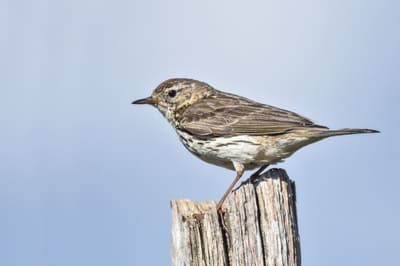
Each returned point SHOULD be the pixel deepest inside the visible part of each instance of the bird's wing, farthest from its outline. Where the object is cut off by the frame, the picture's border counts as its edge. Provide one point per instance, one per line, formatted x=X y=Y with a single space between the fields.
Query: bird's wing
x=230 y=115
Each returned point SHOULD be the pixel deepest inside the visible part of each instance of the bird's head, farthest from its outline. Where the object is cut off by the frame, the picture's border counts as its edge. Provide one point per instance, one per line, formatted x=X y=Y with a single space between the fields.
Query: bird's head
x=173 y=96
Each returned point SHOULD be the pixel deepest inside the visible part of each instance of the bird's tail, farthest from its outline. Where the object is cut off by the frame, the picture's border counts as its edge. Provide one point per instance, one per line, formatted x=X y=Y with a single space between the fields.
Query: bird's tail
x=343 y=131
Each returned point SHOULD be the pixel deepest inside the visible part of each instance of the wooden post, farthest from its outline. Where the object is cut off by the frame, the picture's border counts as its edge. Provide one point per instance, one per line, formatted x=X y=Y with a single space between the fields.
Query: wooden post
x=257 y=226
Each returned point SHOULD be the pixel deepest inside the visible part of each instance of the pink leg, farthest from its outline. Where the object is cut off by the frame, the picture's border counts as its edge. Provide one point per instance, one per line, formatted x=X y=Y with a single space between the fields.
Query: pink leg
x=239 y=172
x=259 y=171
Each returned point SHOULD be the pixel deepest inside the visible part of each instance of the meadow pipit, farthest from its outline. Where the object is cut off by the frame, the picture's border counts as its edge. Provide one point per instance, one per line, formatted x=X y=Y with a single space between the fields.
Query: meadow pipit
x=231 y=131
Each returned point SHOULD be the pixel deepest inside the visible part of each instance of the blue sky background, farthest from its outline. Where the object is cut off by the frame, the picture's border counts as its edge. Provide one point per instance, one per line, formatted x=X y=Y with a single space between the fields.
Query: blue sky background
x=86 y=178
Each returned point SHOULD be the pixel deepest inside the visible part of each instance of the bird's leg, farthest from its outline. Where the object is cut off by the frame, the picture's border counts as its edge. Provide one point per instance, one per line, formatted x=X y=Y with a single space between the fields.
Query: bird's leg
x=239 y=172
x=258 y=172
x=221 y=201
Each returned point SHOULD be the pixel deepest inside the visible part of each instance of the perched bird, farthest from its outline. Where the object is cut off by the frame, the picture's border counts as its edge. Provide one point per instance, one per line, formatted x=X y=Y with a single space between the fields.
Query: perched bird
x=232 y=131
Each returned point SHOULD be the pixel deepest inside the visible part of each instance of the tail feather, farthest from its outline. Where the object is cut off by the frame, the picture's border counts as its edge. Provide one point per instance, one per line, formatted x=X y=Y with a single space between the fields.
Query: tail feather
x=344 y=131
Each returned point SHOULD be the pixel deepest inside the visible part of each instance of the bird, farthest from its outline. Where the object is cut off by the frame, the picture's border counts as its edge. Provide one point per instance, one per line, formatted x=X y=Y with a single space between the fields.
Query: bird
x=232 y=131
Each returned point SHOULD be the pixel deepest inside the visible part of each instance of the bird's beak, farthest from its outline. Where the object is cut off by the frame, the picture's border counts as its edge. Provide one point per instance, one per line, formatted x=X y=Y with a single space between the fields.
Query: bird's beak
x=148 y=100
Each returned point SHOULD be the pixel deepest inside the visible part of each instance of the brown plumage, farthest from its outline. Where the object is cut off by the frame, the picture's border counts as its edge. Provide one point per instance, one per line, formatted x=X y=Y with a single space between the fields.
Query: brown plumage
x=232 y=131
x=222 y=114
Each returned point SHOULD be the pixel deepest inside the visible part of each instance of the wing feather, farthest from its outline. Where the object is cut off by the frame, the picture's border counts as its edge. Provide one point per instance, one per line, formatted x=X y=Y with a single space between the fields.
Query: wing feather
x=231 y=115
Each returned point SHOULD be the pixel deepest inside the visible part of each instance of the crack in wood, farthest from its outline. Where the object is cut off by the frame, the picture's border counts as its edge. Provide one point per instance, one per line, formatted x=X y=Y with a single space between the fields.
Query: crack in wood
x=258 y=226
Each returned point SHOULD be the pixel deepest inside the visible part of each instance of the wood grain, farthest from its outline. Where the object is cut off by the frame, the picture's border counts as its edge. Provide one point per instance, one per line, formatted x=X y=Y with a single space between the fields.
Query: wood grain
x=257 y=226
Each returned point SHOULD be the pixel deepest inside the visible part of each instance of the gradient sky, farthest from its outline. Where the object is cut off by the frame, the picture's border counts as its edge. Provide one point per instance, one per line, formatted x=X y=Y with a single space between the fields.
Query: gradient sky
x=86 y=177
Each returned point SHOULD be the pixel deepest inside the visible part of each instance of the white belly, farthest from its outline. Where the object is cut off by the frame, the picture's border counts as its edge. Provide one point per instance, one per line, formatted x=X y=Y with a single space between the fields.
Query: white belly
x=251 y=151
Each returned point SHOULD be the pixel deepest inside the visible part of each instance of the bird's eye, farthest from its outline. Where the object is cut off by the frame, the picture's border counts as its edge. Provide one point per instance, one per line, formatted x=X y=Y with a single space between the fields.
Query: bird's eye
x=172 y=93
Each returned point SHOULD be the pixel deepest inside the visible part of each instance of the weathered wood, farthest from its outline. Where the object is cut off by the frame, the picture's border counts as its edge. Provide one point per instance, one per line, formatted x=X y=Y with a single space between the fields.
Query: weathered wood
x=257 y=226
